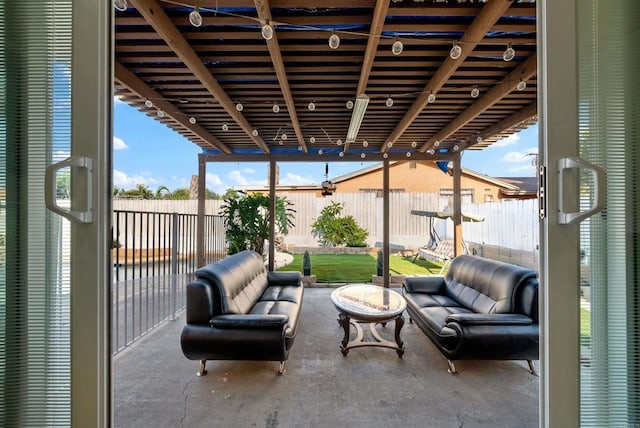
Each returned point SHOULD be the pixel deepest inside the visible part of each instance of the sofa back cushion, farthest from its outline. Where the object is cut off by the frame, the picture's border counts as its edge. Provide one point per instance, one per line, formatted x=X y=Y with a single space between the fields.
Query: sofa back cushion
x=492 y=287
x=239 y=279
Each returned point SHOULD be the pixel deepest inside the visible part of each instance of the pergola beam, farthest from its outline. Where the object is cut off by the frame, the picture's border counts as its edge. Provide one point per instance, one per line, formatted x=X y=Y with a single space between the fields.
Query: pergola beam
x=155 y=15
x=134 y=84
x=264 y=13
x=484 y=22
x=523 y=72
x=511 y=121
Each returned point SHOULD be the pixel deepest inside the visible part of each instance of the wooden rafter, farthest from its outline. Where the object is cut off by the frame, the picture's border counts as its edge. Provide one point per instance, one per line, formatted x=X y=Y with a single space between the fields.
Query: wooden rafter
x=509 y=122
x=523 y=72
x=161 y=23
x=484 y=22
x=144 y=91
x=264 y=13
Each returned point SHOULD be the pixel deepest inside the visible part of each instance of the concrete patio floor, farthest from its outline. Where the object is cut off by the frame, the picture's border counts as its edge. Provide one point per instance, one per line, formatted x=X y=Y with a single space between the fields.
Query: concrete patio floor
x=156 y=386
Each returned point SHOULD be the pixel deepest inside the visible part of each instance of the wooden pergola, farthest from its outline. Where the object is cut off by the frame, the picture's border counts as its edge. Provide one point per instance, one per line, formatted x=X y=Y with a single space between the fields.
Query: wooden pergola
x=418 y=80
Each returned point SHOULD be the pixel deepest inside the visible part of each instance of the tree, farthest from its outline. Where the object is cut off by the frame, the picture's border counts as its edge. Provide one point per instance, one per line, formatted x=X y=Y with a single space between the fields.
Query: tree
x=163 y=192
x=335 y=230
x=181 y=194
x=246 y=218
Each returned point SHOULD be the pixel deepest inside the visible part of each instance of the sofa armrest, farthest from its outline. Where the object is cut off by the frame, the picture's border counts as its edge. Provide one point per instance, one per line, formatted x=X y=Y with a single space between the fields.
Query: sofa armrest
x=489 y=319
x=424 y=284
x=200 y=302
x=249 y=321
x=284 y=278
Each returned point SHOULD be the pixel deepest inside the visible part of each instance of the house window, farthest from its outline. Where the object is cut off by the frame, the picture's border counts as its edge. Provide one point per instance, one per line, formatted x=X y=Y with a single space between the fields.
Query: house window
x=379 y=192
x=466 y=195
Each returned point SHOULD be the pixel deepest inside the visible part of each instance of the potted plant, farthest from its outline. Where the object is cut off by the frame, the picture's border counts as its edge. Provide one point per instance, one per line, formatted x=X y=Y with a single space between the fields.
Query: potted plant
x=306 y=264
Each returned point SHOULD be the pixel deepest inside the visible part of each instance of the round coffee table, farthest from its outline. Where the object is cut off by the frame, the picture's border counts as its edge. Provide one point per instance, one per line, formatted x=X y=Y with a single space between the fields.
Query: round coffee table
x=366 y=303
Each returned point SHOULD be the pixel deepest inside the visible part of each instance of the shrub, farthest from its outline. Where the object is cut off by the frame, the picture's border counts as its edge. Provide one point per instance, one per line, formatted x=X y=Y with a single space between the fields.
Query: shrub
x=334 y=230
x=306 y=264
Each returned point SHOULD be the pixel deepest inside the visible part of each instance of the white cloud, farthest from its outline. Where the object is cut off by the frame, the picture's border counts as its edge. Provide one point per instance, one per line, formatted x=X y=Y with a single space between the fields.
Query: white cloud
x=515 y=157
x=507 y=141
x=294 y=179
x=248 y=171
x=523 y=168
x=238 y=178
x=119 y=144
x=122 y=179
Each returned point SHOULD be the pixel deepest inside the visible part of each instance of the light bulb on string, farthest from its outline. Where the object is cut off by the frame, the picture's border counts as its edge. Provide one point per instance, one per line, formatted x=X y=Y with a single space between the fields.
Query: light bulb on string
x=363 y=155
x=148 y=103
x=479 y=139
x=414 y=144
x=254 y=132
x=299 y=148
x=390 y=144
x=192 y=120
x=431 y=98
x=275 y=108
x=341 y=154
x=120 y=5
x=160 y=113
x=280 y=142
x=521 y=86
x=456 y=51
x=334 y=40
x=456 y=148
x=397 y=47
x=431 y=151
x=225 y=127
x=339 y=142
x=195 y=18
x=267 y=31
x=284 y=136
x=312 y=139
x=320 y=152
x=408 y=154
x=365 y=143
x=389 y=102
x=475 y=92
x=509 y=53
x=349 y=105
x=311 y=106
x=436 y=143
x=239 y=107
x=385 y=155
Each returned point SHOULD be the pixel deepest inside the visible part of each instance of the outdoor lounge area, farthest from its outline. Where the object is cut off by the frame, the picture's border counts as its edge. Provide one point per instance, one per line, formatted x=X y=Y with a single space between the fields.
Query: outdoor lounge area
x=155 y=385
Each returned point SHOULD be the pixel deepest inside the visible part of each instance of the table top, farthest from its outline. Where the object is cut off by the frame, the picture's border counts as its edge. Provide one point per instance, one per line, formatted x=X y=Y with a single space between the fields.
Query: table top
x=368 y=301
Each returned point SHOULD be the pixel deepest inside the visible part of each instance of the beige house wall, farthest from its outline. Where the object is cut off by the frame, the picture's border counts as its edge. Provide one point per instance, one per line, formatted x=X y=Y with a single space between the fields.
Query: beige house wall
x=414 y=177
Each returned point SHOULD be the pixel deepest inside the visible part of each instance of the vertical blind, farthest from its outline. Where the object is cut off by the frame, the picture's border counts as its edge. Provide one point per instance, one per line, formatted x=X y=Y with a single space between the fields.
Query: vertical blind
x=35 y=118
x=609 y=126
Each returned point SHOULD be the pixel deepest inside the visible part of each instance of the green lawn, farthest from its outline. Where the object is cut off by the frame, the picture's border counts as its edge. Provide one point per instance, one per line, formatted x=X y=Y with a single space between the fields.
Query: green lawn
x=359 y=267
x=585 y=326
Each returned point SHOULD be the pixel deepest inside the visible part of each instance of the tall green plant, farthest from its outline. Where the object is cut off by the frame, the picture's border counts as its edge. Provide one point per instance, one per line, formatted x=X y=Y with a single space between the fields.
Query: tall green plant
x=246 y=218
x=332 y=229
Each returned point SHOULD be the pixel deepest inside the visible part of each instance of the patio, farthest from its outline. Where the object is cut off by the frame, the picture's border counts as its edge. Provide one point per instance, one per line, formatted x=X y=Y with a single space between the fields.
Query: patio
x=155 y=385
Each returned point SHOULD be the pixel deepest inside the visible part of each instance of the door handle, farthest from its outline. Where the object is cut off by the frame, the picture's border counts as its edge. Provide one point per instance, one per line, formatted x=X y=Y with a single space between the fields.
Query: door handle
x=50 y=192
x=598 y=194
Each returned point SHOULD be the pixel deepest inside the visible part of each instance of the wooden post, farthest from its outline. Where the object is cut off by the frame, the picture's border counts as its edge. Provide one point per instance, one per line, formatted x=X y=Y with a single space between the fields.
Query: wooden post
x=385 y=222
x=272 y=214
x=457 y=206
x=202 y=174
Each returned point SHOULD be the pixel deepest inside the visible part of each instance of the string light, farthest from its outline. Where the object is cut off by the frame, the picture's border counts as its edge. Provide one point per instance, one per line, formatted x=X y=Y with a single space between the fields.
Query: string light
x=254 y=132
x=239 y=107
x=509 y=53
x=390 y=144
x=431 y=151
x=385 y=155
x=475 y=92
x=192 y=120
x=389 y=102
x=397 y=47
x=312 y=139
x=365 y=143
x=267 y=31
x=456 y=148
x=320 y=152
x=521 y=86
x=414 y=144
x=341 y=154
x=456 y=51
x=362 y=155
x=349 y=104
x=283 y=136
x=148 y=103
x=195 y=18
x=311 y=106
x=299 y=148
x=225 y=127
x=408 y=154
x=431 y=98
x=160 y=113
x=275 y=108
x=436 y=143
x=339 y=142
x=334 y=40
x=120 y=5
x=479 y=139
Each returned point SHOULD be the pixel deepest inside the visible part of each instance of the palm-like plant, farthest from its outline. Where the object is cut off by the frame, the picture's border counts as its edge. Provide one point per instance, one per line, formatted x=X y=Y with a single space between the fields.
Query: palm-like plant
x=246 y=218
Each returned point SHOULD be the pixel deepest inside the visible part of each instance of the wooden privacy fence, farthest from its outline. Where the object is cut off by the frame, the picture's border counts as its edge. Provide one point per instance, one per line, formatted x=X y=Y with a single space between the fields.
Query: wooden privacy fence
x=509 y=224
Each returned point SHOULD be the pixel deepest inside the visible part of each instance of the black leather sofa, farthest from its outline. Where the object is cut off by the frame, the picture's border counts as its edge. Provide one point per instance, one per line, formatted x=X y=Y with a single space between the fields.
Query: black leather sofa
x=236 y=310
x=481 y=309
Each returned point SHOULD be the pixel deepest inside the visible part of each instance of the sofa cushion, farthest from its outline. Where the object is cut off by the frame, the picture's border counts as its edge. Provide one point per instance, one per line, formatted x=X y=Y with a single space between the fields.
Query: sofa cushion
x=241 y=279
x=486 y=286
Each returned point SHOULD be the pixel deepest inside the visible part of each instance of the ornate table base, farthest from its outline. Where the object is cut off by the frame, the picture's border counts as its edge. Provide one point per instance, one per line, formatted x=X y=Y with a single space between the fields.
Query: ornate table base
x=345 y=321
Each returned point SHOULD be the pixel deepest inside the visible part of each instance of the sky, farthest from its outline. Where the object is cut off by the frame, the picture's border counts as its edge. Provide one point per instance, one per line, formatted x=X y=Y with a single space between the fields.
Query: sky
x=150 y=153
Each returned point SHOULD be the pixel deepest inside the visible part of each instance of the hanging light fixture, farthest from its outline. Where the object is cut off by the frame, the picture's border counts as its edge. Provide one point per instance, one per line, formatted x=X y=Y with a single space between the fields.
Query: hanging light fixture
x=363 y=155
x=267 y=31
x=390 y=144
x=312 y=139
x=195 y=18
x=225 y=127
x=456 y=51
x=283 y=136
x=397 y=47
x=192 y=120
x=521 y=86
x=120 y=5
x=408 y=154
x=431 y=151
x=365 y=143
x=341 y=154
x=456 y=148
x=385 y=155
x=239 y=107
x=431 y=98
x=275 y=108
x=509 y=53
x=389 y=102
x=160 y=113
x=414 y=144
x=311 y=106
x=254 y=132
x=339 y=142
x=320 y=152
x=479 y=139
x=148 y=103
x=299 y=148
x=334 y=40
x=475 y=92
x=349 y=105
x=436 y=143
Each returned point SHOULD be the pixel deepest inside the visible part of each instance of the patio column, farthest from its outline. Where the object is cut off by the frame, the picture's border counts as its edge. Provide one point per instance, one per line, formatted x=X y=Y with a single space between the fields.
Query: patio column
x=202 y=174
x=385 y=222
x=272 y=216
x=457 y=206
